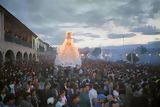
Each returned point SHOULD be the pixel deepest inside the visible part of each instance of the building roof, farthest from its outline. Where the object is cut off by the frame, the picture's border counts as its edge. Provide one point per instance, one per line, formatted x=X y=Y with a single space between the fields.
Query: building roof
x=8 y=14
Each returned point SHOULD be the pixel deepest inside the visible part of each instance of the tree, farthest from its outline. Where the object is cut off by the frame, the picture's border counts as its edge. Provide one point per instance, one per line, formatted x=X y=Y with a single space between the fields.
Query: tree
x=132 y=58
x=96 y=52
x=141 y=50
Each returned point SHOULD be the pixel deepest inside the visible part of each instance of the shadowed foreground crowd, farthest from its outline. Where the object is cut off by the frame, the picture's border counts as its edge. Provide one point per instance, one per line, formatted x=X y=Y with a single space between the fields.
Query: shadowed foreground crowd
x=95 y=84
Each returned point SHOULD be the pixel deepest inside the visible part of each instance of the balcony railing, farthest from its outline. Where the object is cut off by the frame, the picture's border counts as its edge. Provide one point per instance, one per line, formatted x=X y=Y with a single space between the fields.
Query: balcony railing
x=10 y=38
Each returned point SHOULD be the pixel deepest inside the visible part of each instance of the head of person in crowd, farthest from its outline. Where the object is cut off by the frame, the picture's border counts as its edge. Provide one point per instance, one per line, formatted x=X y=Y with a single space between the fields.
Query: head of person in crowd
x=62 y=93
x=47 y=86
x=62 y=97
x=95 y=85
x=115 y=94
x=50 y=102
x=85 y=87
x=19 y=97
x=33 y=93
x=9 y=100
x=75 y=99
x=27 y=97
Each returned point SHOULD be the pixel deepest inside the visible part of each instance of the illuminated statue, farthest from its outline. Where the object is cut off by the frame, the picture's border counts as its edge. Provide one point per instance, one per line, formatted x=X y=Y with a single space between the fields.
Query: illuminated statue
x=67 y=53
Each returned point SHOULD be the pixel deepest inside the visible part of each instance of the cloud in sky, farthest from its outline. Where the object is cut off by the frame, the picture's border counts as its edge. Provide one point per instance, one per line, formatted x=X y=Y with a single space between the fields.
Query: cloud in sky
x=78 y=40
x=147 y=30
x=89 y=20
x=117 y=36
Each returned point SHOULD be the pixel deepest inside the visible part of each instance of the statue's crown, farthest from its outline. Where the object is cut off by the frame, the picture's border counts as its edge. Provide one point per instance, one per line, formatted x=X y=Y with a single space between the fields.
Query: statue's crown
x=69 y=35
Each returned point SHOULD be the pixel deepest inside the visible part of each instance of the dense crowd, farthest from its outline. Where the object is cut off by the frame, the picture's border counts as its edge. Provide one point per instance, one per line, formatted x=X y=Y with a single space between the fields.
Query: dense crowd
x=94 y=84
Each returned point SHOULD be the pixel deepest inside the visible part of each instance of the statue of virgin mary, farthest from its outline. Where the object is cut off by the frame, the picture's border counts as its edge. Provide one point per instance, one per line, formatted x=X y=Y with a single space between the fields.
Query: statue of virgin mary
x=68 y=53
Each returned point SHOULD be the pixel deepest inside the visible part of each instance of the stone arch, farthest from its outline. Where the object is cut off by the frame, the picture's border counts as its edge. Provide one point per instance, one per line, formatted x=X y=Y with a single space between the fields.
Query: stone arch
x=30 y=56
x=40 y=57
x=34 y=57
x=9 y=56
x=19 y=56
x=1 y=58
x=25 y=56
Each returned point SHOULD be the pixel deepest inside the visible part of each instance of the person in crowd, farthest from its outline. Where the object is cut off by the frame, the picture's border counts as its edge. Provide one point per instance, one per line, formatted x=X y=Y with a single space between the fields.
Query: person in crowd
x=1 y=102
x=92 y=94
x=26 y=101
x=12 y=87
x=50 y=102
x=75 y=99
x=112 y=102
x=84 y=95
x=117 y=98
x=100 y=100
x=34 y=98
x=106 y=87
x=60 y=103
x=9 y=100
x=45 y=94
x=2 y=91
x=63 y=97
x=135 y=84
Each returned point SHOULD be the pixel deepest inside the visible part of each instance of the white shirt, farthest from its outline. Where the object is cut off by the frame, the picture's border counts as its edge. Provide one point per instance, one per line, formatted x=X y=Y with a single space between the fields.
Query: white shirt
x=80 y=71
x=64 y=99
x=92 y=95
x=12 y=86
x=59 y=104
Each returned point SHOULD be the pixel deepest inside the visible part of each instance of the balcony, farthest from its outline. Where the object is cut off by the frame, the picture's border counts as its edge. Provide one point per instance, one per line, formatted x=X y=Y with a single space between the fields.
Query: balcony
x=10 y=38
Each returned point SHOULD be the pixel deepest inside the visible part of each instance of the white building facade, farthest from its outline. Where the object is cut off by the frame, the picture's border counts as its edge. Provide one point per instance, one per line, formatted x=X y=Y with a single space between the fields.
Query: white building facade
x=17 y=42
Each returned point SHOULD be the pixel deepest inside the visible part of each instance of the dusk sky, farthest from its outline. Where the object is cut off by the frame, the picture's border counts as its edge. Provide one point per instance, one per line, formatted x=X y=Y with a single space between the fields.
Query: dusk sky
x=93 y=22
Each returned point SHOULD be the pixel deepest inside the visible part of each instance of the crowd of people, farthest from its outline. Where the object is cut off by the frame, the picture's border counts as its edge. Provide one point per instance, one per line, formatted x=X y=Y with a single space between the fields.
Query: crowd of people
x=95 y=84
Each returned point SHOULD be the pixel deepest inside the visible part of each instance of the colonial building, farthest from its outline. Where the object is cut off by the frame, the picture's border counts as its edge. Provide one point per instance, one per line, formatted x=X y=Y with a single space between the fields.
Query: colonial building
x=44 y=51
x=17 y=42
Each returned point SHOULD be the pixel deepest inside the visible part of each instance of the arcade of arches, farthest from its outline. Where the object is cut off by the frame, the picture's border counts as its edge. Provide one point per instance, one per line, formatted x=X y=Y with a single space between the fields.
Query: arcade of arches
x=25 y=56
x=10 y=56
x=19 y=56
